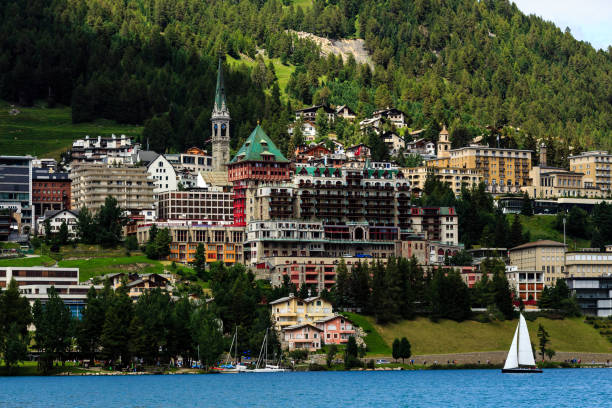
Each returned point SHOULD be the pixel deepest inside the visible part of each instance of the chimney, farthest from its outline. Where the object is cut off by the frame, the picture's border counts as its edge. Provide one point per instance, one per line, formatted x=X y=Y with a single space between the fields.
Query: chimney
x=543 y=155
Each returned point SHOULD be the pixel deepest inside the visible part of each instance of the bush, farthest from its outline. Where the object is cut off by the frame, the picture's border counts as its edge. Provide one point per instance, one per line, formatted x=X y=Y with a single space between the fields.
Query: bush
x=370 y=364
x=316 y=367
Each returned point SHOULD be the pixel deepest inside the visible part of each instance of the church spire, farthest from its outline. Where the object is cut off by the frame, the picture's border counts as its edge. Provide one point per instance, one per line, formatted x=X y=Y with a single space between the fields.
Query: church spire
x=220 y=102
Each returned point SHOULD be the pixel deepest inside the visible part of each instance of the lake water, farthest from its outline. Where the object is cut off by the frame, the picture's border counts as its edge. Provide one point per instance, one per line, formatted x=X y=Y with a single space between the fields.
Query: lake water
x=456 y=388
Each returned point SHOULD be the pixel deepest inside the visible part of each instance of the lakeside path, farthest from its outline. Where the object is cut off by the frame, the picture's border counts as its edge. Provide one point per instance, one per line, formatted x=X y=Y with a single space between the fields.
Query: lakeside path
x=498 y=357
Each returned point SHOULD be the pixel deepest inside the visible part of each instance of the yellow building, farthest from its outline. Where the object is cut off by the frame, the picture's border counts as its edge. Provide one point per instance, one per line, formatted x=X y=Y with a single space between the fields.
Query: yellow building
x=291 y=310
x=454 y=176
x=588 y=264
x=595 y=165
x=552 y=182
x=503 y=170
x=545 y=256
x=221 y=242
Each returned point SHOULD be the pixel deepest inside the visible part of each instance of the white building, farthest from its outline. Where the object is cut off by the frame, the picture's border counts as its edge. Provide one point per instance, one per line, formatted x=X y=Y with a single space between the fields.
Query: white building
x=56 y=218
x=163 y=174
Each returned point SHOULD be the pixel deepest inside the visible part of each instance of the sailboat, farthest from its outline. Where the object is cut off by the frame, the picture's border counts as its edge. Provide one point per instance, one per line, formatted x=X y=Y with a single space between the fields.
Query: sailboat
x=228 y=367
x=520 y=357
x=262 y=366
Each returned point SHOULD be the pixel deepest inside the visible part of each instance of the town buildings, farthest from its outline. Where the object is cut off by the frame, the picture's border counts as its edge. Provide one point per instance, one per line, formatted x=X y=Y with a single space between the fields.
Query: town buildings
x=503 y=170
x=544 y=256
x=221 y=242
x=595 y=165
x=35 y=281
x=109 y=150
x=215 y=205
x=587 y=264
x=16 y=191
x=594 y=295
x=291 y=310
x=304 y=336
x=527 y=284
x=92 y=183
x=56 y=219
x=50 y=191
x=455 y=177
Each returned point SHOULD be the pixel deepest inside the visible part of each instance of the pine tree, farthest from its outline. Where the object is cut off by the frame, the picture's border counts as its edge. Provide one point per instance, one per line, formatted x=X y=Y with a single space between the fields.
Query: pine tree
x=405 y=349
x=342 y=285
x=527 y=208
x=62 y=236
x=516 y=232
x=396 y=349
x=503 y=295
x=199 y=264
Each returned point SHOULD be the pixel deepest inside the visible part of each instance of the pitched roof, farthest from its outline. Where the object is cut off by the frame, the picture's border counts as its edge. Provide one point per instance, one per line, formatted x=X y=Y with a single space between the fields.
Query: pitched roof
x=281 y=300
x=256 y=145
x=328 y=318
x=220 y=102
x=541 y=243
x=299 y=326
x=53 y=213
x=147 y=156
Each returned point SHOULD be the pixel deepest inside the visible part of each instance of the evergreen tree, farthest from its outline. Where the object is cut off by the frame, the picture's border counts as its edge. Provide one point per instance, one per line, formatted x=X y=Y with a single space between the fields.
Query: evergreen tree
x=85 y=227
x=15 y=316
x=396 y=349
x=208 y=337
x=543 y=338
x=52 y=329
x=527 y=207
x=109 y=223
x=48 y=231
x=62 y=236
x=342 y=285
x=115 y=331
x=351 y=354
x=405 y=349
x=516 y=232
x=199 y=264
x=503 y=295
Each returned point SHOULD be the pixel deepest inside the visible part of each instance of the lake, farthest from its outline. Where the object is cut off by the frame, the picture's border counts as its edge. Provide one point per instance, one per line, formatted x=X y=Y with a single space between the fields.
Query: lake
x=453 y=388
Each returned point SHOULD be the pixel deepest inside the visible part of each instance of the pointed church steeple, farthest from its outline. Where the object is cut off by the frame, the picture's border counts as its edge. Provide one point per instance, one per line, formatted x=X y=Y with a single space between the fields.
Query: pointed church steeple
x=220 y=102
x=220 y=119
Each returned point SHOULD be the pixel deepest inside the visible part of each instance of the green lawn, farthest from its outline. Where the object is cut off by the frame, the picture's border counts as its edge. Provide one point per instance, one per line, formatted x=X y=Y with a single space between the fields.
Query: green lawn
x=376 y=344
x=542 y=227
x=43 y=132
x=34 y=261
x=283 y=72
x=446 y=336
x=101 y=266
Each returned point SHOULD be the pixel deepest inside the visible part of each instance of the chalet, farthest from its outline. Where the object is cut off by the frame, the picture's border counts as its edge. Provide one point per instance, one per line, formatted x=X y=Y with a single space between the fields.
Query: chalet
x=336 y=329
x=422 y=147
x=309 y=130
x=393 y=141
x=303 y=154
x=305 y=336
x=311 y=113
x=393 y=115
x=291 y=310
x=56 y=218
x=359 y=152
x=345 y=112
x=145 y=283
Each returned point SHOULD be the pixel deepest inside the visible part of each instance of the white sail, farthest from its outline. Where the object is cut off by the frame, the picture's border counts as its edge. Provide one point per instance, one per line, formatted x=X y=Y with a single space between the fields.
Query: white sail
x=525 y=352
x=512 y=359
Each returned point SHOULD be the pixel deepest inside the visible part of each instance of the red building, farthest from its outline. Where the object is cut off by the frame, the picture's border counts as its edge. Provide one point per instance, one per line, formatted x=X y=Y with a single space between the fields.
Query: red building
x=257 y=161
x=303 y=154
x=50 y=191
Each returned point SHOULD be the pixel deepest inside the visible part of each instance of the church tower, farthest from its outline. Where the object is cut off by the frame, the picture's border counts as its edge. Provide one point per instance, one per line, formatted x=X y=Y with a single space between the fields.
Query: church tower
x=220 y=126
x=444 y=144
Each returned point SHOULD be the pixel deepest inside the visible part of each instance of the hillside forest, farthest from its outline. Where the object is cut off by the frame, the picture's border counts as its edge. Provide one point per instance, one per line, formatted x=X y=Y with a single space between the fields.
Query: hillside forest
x=480 y=67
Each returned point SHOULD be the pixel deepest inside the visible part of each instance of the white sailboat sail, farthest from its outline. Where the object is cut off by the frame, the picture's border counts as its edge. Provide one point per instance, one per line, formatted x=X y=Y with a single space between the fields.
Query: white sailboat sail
x=512 y=359
x=525 y=352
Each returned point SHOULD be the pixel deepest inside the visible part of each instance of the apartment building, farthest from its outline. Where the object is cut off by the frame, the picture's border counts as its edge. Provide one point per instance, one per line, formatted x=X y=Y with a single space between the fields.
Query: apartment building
x=221 y=242
x=585 y=264
x=503 y=170
x=92 y=183
x=109 y=150
x=543 y=256
x=50 y=190
x=527 y=284
x=594 y=295
x=16 y=190
x=163 y=174
x=455 y=177
x=595 y=165
x=196 y=204
x=194 y=160
x=553 y=182
x=34 y=283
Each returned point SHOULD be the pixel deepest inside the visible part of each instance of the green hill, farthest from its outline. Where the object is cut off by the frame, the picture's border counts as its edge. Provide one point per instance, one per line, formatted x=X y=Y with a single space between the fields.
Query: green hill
x=446 y=336
x=542 y=227
x=44 y=132
x=466 y=63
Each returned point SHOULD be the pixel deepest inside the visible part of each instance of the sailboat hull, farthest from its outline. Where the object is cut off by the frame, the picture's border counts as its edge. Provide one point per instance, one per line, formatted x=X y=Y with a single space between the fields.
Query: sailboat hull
x=521 y=370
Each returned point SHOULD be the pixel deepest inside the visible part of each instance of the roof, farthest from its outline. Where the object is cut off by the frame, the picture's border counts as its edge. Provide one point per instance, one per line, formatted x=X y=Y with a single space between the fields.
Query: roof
x=311 y=299
x=147 y=156
x=281 y=300
x=299 y=326
x=327 y=319
x=258 y=144
x=215 y=178
x=540 y=243
x=220 y=102
x=315 y=108
x=44 y=174
x=53 y=213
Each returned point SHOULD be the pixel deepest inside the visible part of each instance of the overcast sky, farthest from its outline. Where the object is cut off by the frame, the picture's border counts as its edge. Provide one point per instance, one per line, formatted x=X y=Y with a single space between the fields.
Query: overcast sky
x=589 y=20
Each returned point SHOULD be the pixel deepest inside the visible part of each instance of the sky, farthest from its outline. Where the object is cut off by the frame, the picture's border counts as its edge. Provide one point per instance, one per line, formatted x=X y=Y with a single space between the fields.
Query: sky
x=589 y=20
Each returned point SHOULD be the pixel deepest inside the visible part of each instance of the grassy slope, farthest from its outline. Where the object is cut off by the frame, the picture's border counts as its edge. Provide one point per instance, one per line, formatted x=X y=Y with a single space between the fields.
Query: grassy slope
x=542 y=227
x=100 y=266
x=376 y=344
x=34 y=261
x=426 y=337
x=283 y=72
x=43 y=132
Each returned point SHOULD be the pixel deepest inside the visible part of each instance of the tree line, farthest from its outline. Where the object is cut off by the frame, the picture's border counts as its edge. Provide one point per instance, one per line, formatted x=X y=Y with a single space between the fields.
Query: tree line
x=157 y=328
